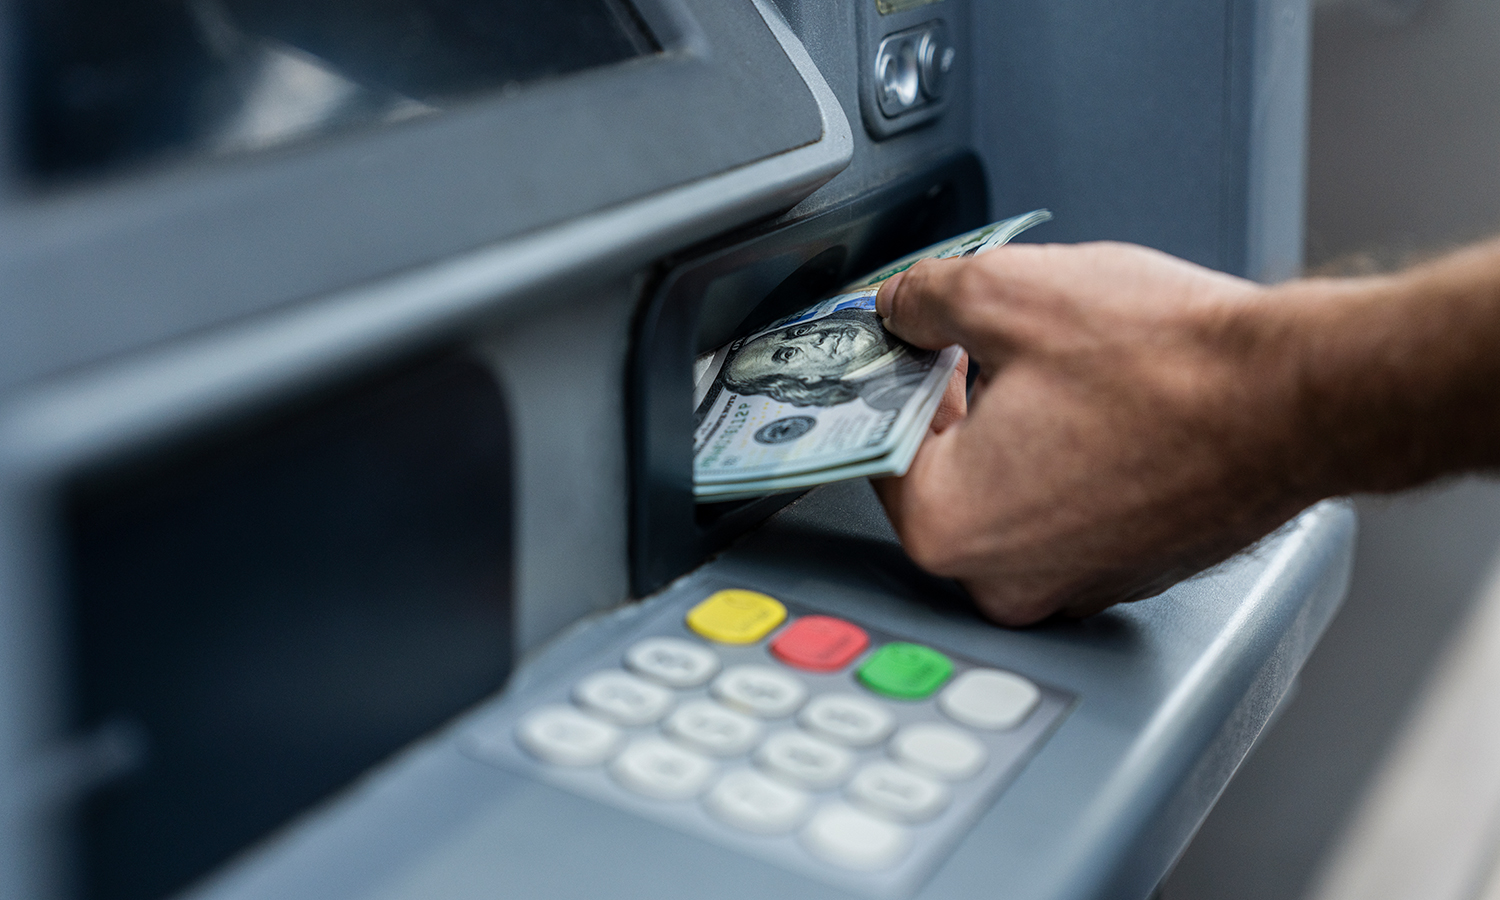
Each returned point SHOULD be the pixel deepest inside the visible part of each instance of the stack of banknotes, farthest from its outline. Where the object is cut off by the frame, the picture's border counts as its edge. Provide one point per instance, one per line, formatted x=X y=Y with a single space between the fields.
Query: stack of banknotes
x=826 y=394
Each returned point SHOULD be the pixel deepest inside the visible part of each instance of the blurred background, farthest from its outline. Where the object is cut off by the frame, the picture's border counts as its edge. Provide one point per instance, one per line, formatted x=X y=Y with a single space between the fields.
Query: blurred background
x=1376 y=781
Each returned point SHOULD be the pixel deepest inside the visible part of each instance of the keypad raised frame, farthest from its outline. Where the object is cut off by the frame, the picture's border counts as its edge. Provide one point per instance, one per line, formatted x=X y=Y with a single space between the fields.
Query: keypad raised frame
x=491 y=740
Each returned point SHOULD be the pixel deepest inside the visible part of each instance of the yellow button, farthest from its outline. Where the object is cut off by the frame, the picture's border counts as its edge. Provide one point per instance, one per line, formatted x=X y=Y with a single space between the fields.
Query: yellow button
x=736 y=617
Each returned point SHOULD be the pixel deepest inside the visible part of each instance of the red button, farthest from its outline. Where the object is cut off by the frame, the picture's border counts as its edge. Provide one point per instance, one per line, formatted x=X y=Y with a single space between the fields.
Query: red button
x=820 y=643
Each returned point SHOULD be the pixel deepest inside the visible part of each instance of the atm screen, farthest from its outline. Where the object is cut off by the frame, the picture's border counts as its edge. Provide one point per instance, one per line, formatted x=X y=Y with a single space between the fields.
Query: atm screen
x=112 y=82
x=264 y=616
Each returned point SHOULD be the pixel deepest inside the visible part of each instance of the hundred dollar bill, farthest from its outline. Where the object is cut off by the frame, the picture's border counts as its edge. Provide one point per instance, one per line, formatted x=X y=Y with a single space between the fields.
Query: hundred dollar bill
x=826 y=394
x=825 y=388
x=966 y=244
x=896 y=462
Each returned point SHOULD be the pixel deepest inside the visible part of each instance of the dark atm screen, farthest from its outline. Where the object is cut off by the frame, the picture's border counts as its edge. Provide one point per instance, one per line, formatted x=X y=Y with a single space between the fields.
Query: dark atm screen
x=111 y=82
x=262 y=617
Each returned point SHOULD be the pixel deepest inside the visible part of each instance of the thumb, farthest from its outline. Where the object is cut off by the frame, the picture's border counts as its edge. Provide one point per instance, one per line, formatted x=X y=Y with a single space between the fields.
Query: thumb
x=922 y=305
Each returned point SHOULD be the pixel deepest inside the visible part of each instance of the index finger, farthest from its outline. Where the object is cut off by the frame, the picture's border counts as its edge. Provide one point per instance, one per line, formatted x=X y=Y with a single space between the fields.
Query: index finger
x=918 y=305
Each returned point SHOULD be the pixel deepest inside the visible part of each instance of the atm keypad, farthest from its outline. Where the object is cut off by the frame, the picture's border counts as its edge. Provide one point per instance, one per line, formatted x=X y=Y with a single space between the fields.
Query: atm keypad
x=805 y=739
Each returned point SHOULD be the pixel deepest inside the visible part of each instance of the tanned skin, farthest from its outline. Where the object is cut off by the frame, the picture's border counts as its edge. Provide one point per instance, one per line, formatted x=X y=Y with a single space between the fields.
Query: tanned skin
x=1139 y=418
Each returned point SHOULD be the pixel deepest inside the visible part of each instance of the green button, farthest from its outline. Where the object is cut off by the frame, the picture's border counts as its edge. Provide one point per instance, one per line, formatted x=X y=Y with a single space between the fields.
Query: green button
x=905 y=671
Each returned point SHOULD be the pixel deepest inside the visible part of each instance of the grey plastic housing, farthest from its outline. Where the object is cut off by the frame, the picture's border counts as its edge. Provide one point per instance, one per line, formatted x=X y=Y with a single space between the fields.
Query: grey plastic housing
x=1172 y=693
x=140 y=350
x=1178 y=128
x=1184 y=129
x=179 y=248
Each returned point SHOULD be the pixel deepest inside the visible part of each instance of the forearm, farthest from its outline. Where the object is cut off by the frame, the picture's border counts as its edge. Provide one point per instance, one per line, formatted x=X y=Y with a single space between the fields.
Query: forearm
x=1139 y=418
x=1394 y=380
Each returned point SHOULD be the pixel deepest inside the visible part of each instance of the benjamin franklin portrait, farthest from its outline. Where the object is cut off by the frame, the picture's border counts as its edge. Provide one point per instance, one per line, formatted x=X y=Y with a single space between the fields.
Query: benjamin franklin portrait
x=845 y=355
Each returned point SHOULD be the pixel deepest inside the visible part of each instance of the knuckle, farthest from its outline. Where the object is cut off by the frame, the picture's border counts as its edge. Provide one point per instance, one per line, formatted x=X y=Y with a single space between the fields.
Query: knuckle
x=932 y=533
x=974 y=282
x=1020 y=600
x=915 y=287
x=932 y=553
x=921 y=271
x=976 y=289
x=919 y=301
x=1011 y=608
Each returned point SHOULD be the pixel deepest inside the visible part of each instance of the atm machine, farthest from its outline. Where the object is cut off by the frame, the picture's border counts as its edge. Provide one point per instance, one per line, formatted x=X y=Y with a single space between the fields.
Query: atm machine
x=347 y=540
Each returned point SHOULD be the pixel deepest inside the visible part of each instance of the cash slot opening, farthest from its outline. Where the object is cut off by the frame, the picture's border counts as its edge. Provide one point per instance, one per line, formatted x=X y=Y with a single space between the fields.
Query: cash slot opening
x=735 y=287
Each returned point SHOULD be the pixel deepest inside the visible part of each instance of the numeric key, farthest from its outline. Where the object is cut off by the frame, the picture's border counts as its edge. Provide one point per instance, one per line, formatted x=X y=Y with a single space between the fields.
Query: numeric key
x=655 y=768
x=622 y=698
x=673 y=662
x=752 y=802
x=759 y=690
x=890 y=789
x=848 y=719
x=705 y=725
x=939 y=750
x=856 y=840
x=990 y=699
x=804 y=760
x=563 y=736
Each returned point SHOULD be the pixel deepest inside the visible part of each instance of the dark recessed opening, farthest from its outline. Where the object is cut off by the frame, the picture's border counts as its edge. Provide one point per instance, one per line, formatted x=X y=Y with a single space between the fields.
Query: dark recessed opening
x=261 y=616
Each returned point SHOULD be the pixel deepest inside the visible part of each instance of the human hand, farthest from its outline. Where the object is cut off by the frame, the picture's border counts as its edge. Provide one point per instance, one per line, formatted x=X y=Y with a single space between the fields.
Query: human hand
x=1132 y=424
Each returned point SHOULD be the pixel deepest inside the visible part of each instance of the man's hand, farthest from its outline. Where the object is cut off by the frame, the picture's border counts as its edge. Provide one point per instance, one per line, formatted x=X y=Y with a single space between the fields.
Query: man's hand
x=1133 y=423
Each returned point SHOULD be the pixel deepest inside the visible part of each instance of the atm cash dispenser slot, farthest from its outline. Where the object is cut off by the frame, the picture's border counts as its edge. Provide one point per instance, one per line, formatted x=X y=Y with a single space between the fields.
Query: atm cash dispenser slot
x=706 y=300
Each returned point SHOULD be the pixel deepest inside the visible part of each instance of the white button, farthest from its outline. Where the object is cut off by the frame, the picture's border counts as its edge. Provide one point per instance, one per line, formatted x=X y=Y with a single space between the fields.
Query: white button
x=673 y=662
x=659 y=769
x=753 y=802
x=939 y=750
x=759 y=690
x=563 y=736
x=890 y=789
x=622 y=698
x=848 y=719
x=707 y=726
x=855 y=840
x=804 y=760
x=989 y=698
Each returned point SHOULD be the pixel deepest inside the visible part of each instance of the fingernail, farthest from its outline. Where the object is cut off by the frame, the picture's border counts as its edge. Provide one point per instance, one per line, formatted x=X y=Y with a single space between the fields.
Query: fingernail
x=886 y=294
